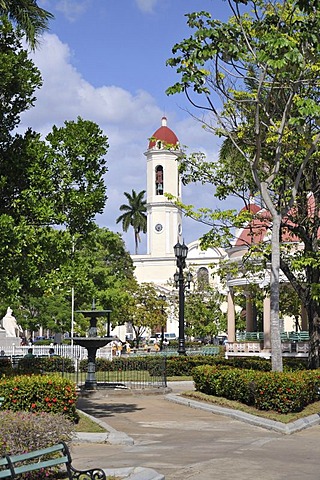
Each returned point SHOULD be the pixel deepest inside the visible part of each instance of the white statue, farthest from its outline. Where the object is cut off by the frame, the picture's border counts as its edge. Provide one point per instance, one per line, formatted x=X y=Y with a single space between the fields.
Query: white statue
x=9 y=324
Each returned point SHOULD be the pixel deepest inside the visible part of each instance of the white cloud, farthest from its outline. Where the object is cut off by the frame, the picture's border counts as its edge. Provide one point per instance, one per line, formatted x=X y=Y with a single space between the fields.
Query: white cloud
x=147 y=6
x=66 y=94
x=128 y=119
x=72 y=9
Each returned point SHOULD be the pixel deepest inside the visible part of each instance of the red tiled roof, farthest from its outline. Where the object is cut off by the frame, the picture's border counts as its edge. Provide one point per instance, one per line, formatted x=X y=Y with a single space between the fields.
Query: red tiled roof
x=164 y=134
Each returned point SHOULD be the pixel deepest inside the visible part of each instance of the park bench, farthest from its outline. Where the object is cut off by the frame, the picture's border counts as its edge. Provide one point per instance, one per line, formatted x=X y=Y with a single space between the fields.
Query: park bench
x=210 y=350
x=11 y=466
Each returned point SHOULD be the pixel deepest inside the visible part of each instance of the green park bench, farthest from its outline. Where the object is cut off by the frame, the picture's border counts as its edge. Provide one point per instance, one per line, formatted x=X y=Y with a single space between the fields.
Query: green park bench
x=293 y=336
x=251 y=336
x=284 y=336
x=12 y=466
x=210 y=350
x=303 y=336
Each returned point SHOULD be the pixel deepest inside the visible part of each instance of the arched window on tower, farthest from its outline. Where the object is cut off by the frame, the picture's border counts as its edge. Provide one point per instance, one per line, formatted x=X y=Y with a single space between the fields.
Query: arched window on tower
x=159 y=180
x=203 y=278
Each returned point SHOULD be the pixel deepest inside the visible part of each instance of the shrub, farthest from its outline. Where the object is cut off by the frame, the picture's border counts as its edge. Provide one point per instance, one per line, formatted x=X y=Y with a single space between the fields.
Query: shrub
x=29 y=365
x=152 y=363
x=22 y=432
x=40 y=393
x=183 y=364
x=283 y=392
x=5 y=366
x=57 y=364
x=206 y=379
x=286 y=392
x=45 y=364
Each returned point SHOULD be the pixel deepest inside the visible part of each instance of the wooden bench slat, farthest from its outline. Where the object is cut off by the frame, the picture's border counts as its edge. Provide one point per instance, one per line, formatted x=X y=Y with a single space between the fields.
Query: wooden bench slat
x=39 y=465
x=3 y=461
x=37 y=453
x=5 y=473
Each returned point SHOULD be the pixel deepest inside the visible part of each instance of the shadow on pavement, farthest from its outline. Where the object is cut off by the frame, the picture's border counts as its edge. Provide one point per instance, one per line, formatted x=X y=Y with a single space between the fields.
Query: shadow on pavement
x=105 y=409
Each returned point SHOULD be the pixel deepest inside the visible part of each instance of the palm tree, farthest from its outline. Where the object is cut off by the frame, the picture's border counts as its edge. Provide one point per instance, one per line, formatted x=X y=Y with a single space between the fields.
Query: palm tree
x=135 y=215
x=28 y=16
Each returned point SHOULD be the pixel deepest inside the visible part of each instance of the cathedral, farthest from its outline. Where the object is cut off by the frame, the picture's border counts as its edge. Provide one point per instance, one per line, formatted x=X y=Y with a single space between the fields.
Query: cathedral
x=165 y=220
x=165 y=229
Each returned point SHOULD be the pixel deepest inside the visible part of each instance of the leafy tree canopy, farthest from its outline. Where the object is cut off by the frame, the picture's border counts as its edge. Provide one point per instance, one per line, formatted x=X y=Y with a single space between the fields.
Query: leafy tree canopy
x=56 y=182
x=28 y=16
x=143 y=308
x=258 y=74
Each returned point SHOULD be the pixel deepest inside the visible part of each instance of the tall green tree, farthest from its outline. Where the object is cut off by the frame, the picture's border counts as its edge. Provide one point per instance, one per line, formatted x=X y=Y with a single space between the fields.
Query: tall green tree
x=56 y=182
x=19 y=79
x=143 y=308
x=203 y=314
x=134 y=215
x=96 y=266
x=103 y=270
x=258 y=74
x=28 y=16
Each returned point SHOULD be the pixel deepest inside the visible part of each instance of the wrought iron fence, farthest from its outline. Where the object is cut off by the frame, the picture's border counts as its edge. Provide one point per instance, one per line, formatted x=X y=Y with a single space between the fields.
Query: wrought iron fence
x=126 y=372
x=132 y=372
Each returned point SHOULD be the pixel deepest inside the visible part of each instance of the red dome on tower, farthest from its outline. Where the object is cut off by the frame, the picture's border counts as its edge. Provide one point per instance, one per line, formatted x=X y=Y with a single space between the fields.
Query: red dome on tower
x=164 y=134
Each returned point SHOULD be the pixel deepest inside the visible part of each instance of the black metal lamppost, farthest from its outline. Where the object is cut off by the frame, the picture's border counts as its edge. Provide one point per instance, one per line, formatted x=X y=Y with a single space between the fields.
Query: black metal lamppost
x=181 y=252
x=163 y=298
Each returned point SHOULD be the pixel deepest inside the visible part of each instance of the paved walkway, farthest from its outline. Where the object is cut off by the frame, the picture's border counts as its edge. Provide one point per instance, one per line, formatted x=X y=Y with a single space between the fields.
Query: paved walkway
x=184 y=443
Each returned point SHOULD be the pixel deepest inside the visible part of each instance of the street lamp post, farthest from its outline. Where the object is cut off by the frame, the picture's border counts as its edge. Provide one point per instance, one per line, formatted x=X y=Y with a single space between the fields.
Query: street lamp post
x=163 y=298
x=181 y=252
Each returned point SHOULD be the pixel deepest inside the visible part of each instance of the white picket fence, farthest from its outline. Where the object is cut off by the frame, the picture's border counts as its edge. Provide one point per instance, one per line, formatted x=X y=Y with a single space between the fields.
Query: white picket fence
x=75 y=351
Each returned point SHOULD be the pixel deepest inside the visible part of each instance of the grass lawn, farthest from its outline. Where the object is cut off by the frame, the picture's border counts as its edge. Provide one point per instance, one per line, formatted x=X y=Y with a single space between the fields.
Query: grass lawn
x=120 y=376
x=87 y=425
x=180 y=379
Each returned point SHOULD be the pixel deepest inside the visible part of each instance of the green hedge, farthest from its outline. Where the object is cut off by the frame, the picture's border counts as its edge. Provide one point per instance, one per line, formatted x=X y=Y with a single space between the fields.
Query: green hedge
x=151 y=363
x=39 y=393
x=44 y=364
x=182 y=365
x=5 y=366
x=282 y=392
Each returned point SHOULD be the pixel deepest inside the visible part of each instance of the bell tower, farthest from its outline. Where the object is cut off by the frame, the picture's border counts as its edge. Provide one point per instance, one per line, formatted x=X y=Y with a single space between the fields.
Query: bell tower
x=164 y=220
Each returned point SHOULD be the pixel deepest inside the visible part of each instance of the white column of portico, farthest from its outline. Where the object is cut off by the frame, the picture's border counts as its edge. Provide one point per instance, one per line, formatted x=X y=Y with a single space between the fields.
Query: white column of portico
x=266 y=324
x=231 y=317
x=249 y=313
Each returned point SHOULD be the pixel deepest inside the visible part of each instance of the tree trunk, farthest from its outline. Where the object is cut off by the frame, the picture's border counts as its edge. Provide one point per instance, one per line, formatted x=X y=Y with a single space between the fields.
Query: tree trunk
x=313 y=311
x=276 y=357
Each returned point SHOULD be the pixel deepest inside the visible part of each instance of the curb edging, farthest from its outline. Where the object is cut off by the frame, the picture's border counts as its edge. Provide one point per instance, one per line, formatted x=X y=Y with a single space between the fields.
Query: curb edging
x=286 y=429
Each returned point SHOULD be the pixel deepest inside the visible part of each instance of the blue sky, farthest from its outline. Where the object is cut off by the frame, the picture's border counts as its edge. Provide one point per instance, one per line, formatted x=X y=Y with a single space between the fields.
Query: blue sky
x=105 y=61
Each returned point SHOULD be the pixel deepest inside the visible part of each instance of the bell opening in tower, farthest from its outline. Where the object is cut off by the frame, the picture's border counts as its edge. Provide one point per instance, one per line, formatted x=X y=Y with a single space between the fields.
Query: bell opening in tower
x=159 y=180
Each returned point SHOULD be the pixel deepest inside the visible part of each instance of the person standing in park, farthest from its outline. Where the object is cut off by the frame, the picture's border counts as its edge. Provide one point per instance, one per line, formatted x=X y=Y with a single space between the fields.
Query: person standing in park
x=119 y=349
x=29 y=354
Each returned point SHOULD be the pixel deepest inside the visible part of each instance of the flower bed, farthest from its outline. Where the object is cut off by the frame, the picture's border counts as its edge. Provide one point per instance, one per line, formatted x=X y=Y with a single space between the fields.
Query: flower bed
x=39 y=393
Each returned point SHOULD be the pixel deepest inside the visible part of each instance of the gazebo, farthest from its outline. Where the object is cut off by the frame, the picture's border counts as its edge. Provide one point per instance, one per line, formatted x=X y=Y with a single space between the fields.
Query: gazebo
x=252 y=342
